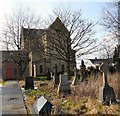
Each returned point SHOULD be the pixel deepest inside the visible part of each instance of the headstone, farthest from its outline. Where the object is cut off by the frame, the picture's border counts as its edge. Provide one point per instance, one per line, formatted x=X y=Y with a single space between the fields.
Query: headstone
x=48 y=75
x=42 y=107
x=34 y=70
x=55 y=78
x=30 y=68
x=29 y=82
x=63 y=86
x=106 y=93
x=82 y=71
x=75 y=78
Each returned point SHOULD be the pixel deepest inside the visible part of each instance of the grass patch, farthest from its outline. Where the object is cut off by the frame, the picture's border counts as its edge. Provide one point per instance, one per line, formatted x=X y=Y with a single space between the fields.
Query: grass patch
x=32 y=93
x=41 y=78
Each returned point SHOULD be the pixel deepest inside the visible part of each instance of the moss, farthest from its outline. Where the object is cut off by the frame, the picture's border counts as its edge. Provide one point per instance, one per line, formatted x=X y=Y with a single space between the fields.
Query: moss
x=3 y=82
x=32 y=93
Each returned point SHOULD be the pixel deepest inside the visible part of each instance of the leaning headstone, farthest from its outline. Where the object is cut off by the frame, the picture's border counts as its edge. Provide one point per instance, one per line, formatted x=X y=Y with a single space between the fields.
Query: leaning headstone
x=42 y=107
x=63 y=86
x=29 y=82
x=106 y=93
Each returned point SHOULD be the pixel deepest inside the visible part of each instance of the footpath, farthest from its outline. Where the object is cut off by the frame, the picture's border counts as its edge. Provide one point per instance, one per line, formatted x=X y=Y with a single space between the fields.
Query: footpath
x=11 y=99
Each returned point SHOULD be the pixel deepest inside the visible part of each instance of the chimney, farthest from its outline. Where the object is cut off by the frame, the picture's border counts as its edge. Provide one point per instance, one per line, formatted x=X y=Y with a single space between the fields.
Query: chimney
x=95 y=57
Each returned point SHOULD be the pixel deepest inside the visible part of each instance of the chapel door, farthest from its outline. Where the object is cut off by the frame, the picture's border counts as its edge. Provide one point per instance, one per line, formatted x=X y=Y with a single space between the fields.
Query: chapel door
x=9 y=73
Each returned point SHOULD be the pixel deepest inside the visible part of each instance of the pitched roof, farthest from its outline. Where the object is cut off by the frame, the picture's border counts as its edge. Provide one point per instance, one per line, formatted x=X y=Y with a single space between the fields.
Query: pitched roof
x=98 y=61
x=57 y=24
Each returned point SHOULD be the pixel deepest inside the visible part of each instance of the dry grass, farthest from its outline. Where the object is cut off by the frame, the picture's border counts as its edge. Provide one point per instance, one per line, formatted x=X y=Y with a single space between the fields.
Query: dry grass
x=83 y=97
x=91 y=88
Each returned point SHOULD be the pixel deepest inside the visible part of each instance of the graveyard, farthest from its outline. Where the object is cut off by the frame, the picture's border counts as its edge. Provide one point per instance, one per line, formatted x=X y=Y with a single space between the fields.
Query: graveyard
x=66 y=64
x=82 y=99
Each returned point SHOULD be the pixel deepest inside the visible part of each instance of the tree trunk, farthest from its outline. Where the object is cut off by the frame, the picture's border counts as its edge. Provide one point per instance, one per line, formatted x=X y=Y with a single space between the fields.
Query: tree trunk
x=68 y=69
x=20 y=71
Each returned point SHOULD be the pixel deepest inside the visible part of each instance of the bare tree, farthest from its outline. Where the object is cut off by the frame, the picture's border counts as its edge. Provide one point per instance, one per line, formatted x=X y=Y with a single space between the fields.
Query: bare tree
x=111 y=18
x=12 y=35
x=111 y=22
x=73 y=39
x=107 y=47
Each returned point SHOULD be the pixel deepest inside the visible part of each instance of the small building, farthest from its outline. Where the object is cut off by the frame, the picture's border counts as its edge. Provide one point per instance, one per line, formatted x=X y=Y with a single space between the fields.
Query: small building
x=42 y=106
x=97 y=62
x=8 y=68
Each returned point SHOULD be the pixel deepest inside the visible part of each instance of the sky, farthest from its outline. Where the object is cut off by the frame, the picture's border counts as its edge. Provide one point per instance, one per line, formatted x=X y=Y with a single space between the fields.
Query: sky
x=91 y=10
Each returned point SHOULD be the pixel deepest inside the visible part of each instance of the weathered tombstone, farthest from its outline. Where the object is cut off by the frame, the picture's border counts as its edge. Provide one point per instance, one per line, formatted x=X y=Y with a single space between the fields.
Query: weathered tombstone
x=34 y=70
x=48 y=75
x=75 y=78
x=106 y=93
x=63 y=86
x=30 y=69
x=55 y=78
x=82 y=71
x=29 y=82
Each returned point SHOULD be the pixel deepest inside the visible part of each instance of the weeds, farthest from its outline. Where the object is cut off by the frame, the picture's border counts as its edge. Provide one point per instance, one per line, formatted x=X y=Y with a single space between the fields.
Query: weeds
x=83 y=97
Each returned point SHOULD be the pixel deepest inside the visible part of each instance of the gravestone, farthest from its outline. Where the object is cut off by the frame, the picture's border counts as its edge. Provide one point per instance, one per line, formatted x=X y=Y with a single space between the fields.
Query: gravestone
x=106 y=93
x=63 y=86
x=83 y=74
x=55 y=78
x=34 y=70
x=75 y=78
x=48 y=75
x=29 y=83
x=42 y=107
x=30 y=69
